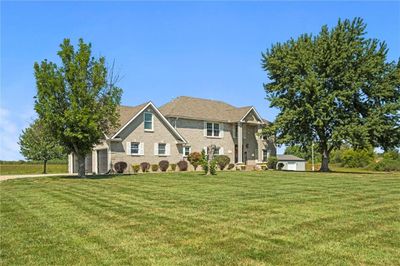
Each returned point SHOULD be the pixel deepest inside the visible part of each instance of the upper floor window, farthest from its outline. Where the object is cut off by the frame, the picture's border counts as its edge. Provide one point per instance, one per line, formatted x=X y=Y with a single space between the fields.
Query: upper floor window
x=213 y=129
x=148 y=121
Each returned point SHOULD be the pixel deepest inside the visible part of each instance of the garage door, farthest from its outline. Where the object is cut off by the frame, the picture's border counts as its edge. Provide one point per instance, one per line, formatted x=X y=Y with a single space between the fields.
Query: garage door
x=102 y=161
x=88 y=163
x=291 y=166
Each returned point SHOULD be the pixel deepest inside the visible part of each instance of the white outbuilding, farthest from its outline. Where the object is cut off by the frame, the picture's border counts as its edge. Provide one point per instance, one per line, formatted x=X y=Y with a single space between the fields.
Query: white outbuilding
x=290 y=163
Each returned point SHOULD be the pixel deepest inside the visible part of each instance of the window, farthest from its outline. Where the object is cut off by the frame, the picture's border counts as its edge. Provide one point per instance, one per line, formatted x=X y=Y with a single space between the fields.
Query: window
x=162 y=149
x=265 y=155
x=213 y=129
x=186 y=151
x=148 y=121
x=134 y=147
x=217 y=151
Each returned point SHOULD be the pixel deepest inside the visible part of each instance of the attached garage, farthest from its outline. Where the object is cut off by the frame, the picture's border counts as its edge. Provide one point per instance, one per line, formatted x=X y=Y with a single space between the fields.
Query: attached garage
x=88 y=163
x=291 y=163
x=102 y=161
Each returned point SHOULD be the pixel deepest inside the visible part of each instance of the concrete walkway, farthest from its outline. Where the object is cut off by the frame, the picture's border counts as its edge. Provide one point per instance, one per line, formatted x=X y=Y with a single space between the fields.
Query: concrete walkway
x=6 y=177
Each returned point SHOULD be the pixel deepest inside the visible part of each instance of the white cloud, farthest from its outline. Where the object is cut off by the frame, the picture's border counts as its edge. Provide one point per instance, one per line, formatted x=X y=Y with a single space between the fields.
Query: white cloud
x=11 y=125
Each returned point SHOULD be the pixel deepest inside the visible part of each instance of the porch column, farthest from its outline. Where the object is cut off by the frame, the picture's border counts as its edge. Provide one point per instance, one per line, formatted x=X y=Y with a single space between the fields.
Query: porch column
x=109 y=166
x=240 y=143
x=70 y=163
x=94 y=161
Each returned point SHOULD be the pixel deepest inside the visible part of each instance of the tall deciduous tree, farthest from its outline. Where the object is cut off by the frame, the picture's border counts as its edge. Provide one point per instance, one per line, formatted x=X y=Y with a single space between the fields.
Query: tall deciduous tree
x=38 y=144
x=333 y=88
x=77 y=99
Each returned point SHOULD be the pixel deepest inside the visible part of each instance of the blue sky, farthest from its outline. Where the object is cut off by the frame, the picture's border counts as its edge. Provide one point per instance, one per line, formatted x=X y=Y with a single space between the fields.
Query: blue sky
x=166 y=49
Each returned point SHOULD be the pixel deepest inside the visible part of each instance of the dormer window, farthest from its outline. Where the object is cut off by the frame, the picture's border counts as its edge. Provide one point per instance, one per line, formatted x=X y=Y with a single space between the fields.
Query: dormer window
x=148 y=121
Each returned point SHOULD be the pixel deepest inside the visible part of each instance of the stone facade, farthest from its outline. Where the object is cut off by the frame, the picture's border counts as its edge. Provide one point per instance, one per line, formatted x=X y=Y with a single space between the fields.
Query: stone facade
x=177 y=133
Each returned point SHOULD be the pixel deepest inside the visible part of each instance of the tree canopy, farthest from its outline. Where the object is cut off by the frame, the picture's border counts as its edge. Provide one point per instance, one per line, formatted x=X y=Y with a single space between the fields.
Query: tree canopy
x=77 y=99
x=333 y=88
x=37 y=144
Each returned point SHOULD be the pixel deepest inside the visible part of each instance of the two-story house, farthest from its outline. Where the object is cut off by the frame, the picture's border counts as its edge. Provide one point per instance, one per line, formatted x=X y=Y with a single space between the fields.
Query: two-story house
x=171 y=132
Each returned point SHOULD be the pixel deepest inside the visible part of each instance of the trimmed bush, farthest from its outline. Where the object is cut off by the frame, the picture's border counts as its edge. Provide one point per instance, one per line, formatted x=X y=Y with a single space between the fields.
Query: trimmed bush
x=154 y=167
x=231 y=166
x=145 y=166
x=272 y=161
x=386 y=165
x=135 y=168
x=195 y=159
x=357 y=158
x=222 y=161
x=391 y=155
x=120 y=167
x=173 y=166
x=182 y=165
x=164 y=164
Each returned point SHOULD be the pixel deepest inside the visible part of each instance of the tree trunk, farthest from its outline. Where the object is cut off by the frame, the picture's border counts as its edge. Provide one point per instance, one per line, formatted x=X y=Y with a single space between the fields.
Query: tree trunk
x=81 y=166
x=325 y=161
x=45 y=167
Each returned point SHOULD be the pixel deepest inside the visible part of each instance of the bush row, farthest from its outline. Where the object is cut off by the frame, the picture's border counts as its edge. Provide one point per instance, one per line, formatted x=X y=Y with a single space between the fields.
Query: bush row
x=163 y=166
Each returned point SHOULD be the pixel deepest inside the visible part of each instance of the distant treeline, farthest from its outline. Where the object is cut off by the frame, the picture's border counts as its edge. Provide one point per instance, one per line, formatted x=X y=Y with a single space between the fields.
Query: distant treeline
x=61 y=161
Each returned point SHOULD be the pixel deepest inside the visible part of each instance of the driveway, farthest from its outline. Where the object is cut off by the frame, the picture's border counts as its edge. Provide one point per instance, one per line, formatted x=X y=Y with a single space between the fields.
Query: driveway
x=6 y=177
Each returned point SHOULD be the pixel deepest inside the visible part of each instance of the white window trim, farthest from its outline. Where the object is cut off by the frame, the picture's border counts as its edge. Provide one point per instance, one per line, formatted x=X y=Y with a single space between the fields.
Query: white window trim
x=167 y=149
x=152 y=122
x=140 y=148
x=221 y=130
x=190 y=151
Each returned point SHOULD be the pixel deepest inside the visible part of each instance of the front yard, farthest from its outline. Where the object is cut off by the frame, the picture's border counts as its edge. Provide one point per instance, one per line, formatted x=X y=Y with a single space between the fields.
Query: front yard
x=247 y=218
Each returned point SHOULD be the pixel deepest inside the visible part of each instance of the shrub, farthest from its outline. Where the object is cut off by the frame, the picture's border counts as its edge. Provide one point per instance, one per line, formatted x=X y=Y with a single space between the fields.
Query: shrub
x=135 y=168
x=213 y=167
x=173 y=166
x=195 y=159
x=272 y=161
x=357 y=158
x=231 y=166
x=280 y=166
x=154 y=167
x=386 y=165
x=164 y=164
x=145 y=166
x=222 y=161
x=182 y=165
x=391 y=155
x=120 y=167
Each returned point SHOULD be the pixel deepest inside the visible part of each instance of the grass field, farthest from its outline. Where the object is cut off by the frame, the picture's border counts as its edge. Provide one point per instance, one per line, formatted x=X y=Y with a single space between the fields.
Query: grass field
x=28 y=168
x=234 y=218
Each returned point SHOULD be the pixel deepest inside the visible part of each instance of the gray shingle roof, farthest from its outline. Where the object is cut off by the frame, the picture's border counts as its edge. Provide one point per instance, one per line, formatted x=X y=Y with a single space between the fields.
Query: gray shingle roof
x=287 y=157
x=203 y=109
x=125 y=114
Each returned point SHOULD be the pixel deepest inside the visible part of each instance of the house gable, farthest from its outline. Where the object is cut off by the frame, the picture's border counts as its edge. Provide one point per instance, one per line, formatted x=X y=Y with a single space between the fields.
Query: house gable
x=252 y=116
x=137 y=123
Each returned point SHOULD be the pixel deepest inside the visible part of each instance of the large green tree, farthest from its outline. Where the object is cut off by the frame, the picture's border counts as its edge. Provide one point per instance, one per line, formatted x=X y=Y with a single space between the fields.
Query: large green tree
x=38 y=144
x=77 y=99
x=333 y=88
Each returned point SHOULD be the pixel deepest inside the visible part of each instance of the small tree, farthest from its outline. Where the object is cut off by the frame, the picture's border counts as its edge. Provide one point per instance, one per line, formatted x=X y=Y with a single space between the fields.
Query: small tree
x=195 y=159
x=36 y=143
x=77 y=99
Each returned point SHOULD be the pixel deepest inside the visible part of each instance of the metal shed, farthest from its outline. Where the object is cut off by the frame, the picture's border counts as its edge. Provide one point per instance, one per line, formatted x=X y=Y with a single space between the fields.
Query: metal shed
x=290 y=163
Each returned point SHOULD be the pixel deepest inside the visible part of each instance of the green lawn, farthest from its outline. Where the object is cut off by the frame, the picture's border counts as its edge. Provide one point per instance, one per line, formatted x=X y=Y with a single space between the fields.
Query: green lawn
x=234 y=218
x=31 y=168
